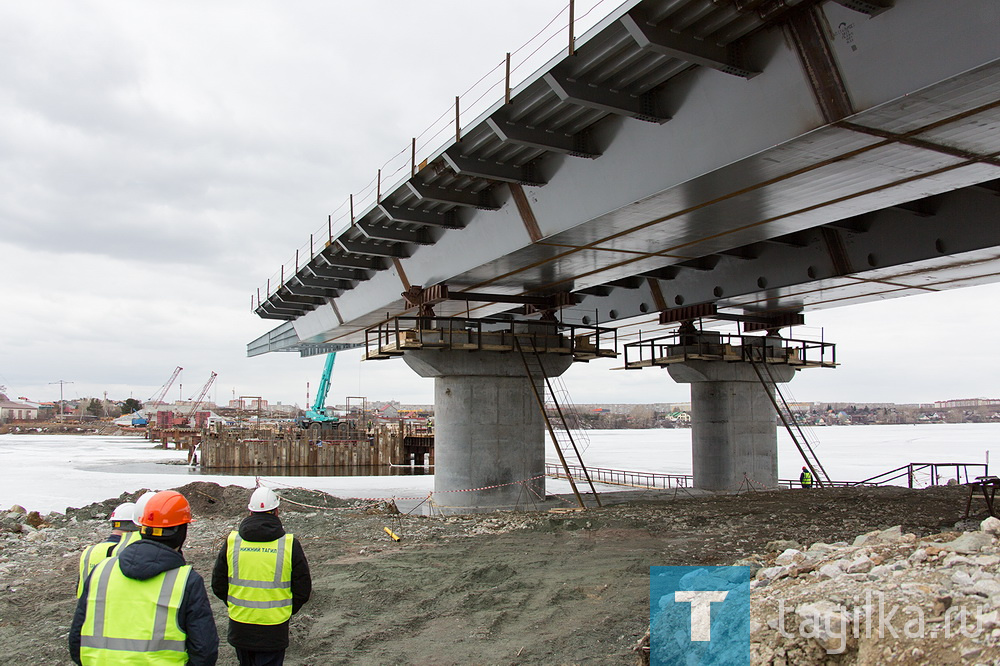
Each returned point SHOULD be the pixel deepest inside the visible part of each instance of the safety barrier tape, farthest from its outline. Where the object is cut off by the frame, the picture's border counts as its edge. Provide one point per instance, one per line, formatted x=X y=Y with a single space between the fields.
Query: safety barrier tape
x=372 y=500
x=752 y=482
x=499 y=485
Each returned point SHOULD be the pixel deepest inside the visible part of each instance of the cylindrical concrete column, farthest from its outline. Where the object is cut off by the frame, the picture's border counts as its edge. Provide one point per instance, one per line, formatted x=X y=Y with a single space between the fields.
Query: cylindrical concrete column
x=733 y=423
x=489 y=435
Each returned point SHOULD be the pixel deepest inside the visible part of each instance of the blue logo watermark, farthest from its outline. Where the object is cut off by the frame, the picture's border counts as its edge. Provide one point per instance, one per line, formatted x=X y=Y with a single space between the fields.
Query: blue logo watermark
x=699 y=616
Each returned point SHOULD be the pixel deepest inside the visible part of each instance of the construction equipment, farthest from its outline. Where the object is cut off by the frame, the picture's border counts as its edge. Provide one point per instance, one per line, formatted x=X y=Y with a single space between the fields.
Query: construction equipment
x=318 y=416
x=185 y=420
x=157 y=397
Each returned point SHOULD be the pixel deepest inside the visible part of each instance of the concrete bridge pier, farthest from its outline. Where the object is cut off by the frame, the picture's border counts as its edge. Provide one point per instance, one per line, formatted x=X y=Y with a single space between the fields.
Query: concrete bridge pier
x=733 y=423
x=488 y=430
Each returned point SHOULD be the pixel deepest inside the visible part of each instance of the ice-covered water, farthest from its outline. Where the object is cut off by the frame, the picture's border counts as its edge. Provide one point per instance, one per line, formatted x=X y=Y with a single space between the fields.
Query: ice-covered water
x=51 y=472
x=848 y=453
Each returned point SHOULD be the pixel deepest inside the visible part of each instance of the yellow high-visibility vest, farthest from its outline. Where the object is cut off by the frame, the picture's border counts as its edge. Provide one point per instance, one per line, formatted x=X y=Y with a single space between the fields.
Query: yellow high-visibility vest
x=133 y=622
x=94 y=555
x=260 y=579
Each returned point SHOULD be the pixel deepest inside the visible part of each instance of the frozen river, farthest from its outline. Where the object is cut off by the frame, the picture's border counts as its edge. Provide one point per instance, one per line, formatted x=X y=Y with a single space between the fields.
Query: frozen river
x=51 y=472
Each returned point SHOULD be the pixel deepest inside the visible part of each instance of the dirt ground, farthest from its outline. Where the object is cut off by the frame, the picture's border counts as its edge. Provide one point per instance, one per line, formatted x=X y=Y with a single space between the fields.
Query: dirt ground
x=529 y=588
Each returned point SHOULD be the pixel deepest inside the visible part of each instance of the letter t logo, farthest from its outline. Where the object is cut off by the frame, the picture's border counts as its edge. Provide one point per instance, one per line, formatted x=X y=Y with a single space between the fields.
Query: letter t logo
x=701 y=611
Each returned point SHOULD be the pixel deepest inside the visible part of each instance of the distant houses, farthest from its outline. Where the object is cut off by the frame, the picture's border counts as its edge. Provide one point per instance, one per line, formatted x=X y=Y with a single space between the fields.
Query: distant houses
x=16 y=411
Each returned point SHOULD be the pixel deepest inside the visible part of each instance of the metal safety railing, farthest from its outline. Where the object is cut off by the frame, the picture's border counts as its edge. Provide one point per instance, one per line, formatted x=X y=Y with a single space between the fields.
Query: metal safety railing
x=560 y=401
x=394 y=336
x=497 y=84
x=655 y=480
x=914 y=472
x=679 y=347
x=620 y=477
x=795 y=483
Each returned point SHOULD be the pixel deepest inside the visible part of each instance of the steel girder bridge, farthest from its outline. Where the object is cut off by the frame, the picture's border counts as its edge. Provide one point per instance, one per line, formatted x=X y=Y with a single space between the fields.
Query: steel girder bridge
x=755 y=157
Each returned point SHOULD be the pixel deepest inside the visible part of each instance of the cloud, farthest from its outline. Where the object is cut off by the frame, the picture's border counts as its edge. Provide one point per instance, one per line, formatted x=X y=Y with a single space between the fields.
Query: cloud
x=159 y=160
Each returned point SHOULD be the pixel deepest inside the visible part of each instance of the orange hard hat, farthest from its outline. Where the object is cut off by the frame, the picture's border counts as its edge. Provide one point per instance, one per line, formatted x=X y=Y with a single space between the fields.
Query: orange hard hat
x=167 y=508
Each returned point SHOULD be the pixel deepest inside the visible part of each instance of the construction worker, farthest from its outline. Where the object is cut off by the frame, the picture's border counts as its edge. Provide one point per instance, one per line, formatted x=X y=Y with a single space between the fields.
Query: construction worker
x=806 y=478
x=263 y=576
x=140 y=505
x=146 y=606
x=123 y=532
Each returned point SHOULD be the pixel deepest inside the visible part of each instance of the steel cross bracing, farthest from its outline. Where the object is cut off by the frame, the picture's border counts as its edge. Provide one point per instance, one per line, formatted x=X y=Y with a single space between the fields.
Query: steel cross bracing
x=761 y=156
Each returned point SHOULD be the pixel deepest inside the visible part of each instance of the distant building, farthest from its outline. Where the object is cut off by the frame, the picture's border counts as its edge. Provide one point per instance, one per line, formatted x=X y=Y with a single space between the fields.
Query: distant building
x=16 y=411
x=967 y=402
x=386 y=411
x=248 y=403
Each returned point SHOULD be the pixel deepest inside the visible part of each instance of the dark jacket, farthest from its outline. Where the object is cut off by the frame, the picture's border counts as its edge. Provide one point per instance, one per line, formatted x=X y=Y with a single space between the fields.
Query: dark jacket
x=263 y=527
x=141 y=561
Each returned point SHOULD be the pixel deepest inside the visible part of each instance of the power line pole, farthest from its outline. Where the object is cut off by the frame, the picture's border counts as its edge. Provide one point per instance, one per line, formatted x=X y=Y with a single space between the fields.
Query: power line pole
x=61 y=382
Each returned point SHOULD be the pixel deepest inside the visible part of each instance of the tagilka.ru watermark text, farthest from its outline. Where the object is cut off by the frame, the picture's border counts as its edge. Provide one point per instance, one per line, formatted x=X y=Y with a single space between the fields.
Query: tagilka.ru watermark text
x=704 y=616
x=834 y=624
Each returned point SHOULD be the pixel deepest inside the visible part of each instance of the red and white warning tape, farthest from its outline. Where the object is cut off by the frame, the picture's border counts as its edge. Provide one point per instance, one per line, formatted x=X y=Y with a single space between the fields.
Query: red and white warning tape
x=271 y=482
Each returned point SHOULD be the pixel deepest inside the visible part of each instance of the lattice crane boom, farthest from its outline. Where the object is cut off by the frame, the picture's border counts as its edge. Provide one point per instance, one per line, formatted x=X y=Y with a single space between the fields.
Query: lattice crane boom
x=162 y=392
x=201 y=396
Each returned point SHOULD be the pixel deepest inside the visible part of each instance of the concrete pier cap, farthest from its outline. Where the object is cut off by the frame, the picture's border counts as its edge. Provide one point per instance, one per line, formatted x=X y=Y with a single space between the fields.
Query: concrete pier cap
x=734 y=436
x=489 y=435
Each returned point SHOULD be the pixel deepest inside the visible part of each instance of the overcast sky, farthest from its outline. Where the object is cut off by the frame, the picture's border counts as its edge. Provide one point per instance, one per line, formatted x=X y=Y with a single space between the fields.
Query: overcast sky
x=158 y=161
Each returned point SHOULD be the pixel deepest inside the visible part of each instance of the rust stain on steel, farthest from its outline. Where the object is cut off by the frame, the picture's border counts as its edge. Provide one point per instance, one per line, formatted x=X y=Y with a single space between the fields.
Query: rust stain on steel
x=846 y=197
x=690 y=209
x=401 y=273
x=527 y=215
x=836 y=250
x=687 y=313
x=806 y=30
x=751 y=188
x=336 y=310
x=910 y=140
x=771 y=181
x=654 y=288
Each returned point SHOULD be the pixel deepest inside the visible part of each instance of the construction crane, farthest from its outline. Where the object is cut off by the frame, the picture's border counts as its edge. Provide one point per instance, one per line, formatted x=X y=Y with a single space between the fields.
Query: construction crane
x=318 y=416
x=157 y=397
x=201 y=396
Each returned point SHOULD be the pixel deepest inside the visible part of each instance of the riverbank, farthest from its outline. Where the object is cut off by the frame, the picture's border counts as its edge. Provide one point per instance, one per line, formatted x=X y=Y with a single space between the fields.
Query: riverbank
x=531 y=588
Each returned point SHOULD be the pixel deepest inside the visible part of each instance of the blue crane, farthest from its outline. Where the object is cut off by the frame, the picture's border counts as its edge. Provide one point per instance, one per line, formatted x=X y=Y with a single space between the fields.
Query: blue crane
x=317 y=415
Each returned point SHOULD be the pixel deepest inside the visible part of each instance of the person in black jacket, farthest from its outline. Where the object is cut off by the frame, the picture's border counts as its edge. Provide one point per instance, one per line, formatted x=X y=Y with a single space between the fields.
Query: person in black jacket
x=260 y=638
x=157 y=552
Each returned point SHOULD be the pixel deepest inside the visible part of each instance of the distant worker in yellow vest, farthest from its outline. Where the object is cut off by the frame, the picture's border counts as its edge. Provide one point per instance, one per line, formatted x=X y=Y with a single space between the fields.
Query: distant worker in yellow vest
x=146 y=605
x=806 y=478
x=263 y=576
x=123 y=532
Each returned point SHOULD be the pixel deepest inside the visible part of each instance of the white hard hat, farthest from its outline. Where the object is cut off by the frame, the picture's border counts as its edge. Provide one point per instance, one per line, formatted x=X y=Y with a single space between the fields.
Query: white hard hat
x=123 y=513
x=140 y=505
x=263 y=499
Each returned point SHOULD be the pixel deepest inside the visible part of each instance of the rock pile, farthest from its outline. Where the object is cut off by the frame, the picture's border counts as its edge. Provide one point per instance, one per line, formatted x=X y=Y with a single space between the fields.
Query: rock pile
x=19 y=520
x=887 y=597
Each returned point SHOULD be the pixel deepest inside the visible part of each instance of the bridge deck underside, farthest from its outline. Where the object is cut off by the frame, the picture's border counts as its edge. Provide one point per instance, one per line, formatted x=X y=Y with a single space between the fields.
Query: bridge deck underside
x=750 y=196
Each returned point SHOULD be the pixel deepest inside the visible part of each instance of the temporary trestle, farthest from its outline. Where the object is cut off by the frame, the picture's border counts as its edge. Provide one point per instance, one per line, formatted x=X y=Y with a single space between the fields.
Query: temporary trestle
x=758 y=362
x=396 y=336
x=562 y=436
